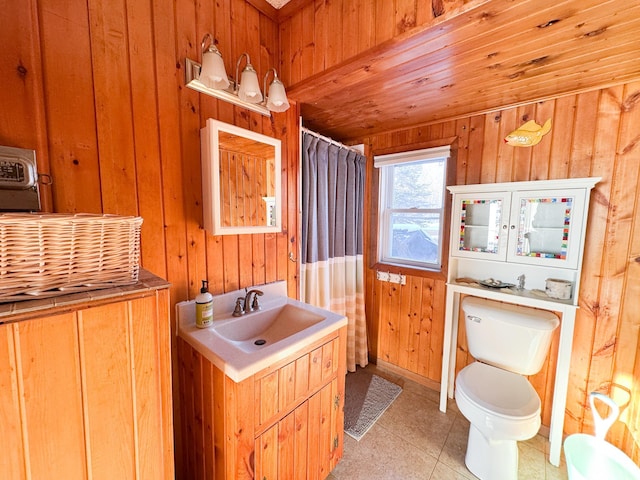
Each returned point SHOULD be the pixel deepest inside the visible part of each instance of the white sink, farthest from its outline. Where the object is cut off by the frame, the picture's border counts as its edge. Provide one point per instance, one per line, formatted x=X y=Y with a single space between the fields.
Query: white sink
x=242 y=346
x=256 y=330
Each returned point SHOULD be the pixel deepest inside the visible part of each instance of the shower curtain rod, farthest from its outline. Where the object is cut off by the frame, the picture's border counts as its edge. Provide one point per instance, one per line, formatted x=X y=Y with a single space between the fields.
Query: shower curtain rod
x=330 y=140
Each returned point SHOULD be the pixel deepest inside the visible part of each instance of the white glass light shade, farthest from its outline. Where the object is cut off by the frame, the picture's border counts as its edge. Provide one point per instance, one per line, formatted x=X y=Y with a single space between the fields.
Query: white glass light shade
x=277 y=100
x=249 y=86
x=212 y=72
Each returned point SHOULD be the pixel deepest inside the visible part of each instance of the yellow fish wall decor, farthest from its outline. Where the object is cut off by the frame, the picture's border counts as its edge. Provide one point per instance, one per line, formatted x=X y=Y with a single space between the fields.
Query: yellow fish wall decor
x=528 y=134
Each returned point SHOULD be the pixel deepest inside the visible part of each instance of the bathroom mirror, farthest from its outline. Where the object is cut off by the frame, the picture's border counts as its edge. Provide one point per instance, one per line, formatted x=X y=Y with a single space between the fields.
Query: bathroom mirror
x=241 y=180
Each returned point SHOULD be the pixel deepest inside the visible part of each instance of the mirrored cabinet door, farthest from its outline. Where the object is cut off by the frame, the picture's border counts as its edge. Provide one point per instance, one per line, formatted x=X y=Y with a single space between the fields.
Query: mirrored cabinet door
x=241 y=180
x=480 y=229
x=548 y=227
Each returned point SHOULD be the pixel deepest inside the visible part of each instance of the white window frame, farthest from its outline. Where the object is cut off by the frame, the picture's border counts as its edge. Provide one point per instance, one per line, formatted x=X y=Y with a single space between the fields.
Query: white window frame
x=385 y=211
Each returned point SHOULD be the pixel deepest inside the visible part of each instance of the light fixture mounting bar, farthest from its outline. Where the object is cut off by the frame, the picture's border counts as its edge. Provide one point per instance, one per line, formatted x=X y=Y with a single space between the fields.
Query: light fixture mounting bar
x=191 y=76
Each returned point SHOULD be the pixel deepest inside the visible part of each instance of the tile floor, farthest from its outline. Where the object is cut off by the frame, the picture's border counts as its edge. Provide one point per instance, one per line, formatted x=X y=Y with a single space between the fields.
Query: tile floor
x=414 y=440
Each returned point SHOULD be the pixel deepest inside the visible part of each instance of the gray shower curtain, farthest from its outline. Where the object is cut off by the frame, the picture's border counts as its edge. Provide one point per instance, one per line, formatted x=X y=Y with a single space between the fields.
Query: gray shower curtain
x=332 y=270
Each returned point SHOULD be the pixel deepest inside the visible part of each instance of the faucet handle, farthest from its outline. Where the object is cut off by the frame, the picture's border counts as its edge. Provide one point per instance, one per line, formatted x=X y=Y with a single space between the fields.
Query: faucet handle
x=238 y=311
x=255 y=305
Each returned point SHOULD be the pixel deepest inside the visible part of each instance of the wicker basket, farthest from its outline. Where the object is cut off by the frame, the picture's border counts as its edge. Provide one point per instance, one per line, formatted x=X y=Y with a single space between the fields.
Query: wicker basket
x=43 y=255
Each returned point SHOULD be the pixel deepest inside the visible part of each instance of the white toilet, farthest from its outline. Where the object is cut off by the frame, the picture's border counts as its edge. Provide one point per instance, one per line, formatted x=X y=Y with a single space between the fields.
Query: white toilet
x=508 y=342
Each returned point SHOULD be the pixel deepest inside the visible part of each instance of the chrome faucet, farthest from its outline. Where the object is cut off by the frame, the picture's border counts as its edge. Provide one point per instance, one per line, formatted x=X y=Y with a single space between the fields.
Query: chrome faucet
x=246 y=305
x=250 y=306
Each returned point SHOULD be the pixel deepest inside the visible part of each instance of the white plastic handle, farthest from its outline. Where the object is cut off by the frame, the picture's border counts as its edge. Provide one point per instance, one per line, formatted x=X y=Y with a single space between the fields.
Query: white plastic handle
x=603 y=425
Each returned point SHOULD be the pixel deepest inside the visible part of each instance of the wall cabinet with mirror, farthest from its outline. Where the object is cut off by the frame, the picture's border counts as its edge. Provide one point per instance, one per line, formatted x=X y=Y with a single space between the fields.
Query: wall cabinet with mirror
x=540 y=227
x=241 y=180
x=520 y=232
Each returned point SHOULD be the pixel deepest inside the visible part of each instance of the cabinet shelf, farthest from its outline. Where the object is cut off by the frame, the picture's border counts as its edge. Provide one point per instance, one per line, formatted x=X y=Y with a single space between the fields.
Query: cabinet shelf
x=512 y=295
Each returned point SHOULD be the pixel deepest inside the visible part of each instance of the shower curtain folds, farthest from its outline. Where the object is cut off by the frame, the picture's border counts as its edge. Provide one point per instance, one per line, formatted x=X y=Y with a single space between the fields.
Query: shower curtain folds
x=332 y=264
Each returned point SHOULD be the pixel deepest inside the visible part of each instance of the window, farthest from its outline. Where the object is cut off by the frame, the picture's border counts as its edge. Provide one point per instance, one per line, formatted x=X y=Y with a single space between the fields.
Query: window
x=412 y=207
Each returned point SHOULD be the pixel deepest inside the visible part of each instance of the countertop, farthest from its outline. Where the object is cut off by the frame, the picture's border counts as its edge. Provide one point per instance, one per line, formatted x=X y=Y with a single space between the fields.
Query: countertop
x=16 y=311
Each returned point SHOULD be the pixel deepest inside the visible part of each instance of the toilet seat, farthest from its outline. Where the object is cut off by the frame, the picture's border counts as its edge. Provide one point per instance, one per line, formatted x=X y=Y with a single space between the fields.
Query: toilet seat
x=498 y=392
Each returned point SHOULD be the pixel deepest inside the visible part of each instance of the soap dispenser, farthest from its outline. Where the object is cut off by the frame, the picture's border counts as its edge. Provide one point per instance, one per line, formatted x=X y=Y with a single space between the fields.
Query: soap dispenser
x=204 y=307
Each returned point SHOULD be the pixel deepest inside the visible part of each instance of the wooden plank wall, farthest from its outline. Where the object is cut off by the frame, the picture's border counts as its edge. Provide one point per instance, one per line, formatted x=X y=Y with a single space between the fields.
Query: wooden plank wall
x=97 y=89
x=593 y=134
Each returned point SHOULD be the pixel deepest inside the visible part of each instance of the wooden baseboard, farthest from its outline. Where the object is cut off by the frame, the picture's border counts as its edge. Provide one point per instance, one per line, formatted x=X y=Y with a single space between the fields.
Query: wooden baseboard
x=414 y=377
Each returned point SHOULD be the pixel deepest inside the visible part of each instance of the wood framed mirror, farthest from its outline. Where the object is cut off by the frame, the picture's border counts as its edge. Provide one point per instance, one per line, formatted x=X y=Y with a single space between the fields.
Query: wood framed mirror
x=241 y=180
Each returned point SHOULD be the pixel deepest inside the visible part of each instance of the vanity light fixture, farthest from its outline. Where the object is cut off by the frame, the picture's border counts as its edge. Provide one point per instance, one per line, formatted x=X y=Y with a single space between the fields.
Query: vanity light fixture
x=212 y=71
x=249 y=88
x=277 y=97
x=210 y=77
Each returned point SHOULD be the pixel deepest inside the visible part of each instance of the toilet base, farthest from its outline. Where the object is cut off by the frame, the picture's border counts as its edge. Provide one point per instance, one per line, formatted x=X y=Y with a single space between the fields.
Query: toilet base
x=491 y=459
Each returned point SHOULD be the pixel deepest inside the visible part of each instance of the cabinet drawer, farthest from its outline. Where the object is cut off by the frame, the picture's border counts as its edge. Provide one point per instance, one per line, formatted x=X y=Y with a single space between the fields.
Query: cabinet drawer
x=279 y=391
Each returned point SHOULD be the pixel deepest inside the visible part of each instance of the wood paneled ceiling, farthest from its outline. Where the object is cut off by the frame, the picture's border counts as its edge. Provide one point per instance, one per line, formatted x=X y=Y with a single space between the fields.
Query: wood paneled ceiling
x=498 y=54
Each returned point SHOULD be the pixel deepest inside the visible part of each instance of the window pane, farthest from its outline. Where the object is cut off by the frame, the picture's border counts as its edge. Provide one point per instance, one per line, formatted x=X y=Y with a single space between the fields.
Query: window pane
x=415 y=236
x=411 y=209
x=418 y=185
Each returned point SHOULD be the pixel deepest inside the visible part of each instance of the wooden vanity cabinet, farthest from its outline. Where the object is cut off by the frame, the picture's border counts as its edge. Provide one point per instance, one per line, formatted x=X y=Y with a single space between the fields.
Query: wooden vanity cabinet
x=85 y=391
x=284 y=422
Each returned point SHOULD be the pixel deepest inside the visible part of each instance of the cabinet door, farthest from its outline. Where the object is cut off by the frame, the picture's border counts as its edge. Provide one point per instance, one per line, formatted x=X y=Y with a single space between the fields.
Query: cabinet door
x=280 y=390
x=546 y=227
x=87 y=394
x=306 y=444
x=479 y=225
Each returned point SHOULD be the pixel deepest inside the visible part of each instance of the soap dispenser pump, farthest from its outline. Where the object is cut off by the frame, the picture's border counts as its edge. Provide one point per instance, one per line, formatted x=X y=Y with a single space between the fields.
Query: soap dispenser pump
x=204 y=307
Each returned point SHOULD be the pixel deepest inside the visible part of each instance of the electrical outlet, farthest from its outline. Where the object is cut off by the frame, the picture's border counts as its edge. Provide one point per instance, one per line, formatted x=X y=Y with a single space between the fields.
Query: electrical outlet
x=391 y=277
x=382 y=276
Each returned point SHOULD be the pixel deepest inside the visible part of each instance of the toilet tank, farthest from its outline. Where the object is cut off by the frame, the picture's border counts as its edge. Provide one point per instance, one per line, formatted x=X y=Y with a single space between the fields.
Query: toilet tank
x=511 y=337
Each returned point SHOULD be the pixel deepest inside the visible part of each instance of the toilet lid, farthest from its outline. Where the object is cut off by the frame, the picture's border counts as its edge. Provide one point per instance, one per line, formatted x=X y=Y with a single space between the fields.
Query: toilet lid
x=498 y=391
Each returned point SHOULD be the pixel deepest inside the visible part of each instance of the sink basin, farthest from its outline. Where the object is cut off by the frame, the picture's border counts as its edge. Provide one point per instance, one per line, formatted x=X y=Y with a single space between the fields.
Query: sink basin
x=257 y=330
x=242 y=346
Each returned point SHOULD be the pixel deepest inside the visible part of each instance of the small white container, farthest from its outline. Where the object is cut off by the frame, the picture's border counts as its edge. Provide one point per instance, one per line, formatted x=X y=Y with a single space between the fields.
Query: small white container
x=560 y=289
